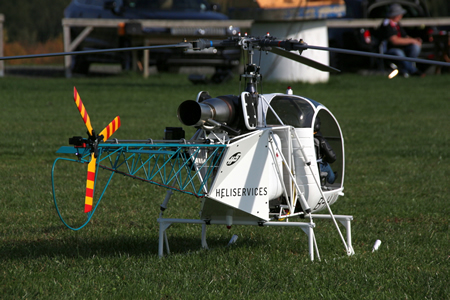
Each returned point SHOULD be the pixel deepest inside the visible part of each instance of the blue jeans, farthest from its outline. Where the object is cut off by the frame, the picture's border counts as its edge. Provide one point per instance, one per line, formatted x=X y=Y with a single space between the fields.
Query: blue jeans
x=412 y=51
x=325 y=167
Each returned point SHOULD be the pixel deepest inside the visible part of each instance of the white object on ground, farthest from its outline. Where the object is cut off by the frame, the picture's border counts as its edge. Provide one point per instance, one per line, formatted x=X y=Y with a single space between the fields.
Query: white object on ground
x=376 y=245
x=233 y=239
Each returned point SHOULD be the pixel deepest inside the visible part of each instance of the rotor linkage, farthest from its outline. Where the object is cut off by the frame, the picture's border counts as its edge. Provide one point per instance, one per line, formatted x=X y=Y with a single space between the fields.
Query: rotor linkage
x=202 y=44
x=288 y=45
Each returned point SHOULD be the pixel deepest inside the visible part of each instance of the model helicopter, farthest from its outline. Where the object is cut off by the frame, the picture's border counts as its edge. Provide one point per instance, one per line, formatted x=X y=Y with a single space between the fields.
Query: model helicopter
x=255 y=159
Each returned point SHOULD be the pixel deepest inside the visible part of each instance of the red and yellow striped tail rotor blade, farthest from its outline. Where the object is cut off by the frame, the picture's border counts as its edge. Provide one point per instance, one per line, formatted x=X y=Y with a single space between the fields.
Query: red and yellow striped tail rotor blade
x=111 y=128
x=90 y=184
x=82 y=110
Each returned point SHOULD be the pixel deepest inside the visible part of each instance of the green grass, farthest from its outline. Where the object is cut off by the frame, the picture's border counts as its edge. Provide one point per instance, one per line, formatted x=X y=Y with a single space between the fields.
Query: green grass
x=396 y=187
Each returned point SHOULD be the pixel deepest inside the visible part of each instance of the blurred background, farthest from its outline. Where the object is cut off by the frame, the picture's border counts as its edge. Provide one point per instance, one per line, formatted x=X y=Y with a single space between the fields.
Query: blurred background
x=35 y=26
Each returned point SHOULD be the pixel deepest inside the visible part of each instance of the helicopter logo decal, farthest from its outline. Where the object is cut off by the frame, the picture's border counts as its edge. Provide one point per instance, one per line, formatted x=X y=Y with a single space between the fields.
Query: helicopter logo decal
x=241 y=192
x=234 y=158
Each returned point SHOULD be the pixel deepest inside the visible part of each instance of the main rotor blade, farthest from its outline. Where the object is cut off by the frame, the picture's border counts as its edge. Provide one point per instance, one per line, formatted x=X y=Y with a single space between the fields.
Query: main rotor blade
x=89 y=199
x=180 y=45
x=83 y=112
x=303 y=60
x=372 y=54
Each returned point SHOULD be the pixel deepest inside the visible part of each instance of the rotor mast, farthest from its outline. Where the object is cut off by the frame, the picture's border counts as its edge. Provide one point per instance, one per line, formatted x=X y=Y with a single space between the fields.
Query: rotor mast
x=251 y=71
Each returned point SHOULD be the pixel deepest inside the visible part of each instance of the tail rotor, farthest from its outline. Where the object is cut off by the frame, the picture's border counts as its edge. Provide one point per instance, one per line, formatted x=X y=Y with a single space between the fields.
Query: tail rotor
x=93 y=141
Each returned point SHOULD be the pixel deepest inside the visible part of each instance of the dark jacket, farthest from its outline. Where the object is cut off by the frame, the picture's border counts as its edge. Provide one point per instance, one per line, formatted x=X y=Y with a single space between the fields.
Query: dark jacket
x=388 y=29
x=326 y=153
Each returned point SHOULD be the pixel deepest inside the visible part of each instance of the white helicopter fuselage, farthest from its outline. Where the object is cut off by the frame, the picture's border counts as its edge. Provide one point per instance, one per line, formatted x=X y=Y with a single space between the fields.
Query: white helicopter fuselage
x=277 y=163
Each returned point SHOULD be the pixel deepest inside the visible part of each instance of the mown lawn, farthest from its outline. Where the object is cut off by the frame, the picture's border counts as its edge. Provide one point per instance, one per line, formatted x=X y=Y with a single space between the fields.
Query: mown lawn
x=396 y=187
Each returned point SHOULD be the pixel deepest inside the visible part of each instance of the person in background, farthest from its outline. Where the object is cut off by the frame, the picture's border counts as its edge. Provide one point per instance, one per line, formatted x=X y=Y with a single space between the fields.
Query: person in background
x=398 y=42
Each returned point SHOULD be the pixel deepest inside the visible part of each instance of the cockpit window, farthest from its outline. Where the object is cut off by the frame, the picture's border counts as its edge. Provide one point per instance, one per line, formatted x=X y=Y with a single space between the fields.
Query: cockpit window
x=292 y=111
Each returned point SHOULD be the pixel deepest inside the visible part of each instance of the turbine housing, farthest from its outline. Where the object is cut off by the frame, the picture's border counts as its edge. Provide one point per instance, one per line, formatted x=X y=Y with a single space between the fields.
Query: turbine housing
x=223 y=111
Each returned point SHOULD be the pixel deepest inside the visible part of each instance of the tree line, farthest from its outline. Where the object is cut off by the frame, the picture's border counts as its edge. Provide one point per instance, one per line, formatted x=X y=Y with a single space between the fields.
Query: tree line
x=32 y=21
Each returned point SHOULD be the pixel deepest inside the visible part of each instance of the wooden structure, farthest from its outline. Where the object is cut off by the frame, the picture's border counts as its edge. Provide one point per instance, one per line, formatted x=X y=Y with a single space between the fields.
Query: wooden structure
x=71 y=43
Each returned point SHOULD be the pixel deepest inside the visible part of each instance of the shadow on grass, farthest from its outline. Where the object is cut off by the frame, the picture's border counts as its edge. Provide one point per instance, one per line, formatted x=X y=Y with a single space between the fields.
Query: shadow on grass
x=59 y=72
x=106 y=246
x=52 y=71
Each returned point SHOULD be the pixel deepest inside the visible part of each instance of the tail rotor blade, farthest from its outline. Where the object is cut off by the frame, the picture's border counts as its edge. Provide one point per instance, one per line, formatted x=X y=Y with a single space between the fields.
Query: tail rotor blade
x=110 y=129
x=95 y=139
x=92 y=166
x=82 y=110
x=90 y=184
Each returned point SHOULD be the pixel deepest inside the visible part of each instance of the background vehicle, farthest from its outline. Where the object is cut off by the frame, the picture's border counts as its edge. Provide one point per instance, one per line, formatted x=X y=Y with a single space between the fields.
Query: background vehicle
x=102 y=38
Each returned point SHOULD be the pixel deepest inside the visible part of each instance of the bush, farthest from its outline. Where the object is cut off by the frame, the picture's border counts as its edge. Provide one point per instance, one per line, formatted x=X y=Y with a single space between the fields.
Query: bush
x=22 y=48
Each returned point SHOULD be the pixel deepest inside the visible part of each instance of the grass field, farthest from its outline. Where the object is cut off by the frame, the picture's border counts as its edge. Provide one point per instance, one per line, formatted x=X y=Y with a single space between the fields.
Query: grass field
x=396 y=187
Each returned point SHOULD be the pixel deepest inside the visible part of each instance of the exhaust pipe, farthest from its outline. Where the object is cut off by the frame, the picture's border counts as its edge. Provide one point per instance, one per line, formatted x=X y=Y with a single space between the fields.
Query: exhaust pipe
x=192 y=113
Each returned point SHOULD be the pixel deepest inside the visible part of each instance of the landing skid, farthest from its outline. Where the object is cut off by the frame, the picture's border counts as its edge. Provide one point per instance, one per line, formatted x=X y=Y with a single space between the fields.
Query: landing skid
x=307 y=227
